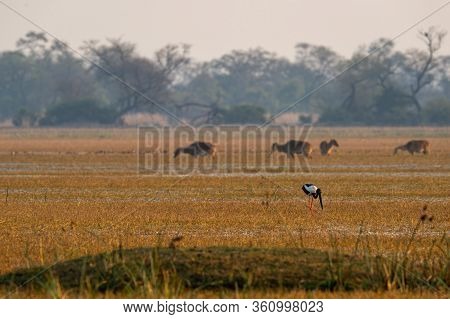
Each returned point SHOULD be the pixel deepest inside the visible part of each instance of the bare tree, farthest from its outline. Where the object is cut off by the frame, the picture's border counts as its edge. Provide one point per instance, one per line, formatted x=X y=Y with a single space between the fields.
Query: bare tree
x=202 y=112
x=144 y=75
x=173 y=59
x=421 y=65
x=315 y=64
x=320 y=59
x=34 y=44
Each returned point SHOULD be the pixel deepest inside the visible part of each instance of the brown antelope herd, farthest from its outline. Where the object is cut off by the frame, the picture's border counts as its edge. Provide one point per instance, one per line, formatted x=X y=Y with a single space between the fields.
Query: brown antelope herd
x=293 y=147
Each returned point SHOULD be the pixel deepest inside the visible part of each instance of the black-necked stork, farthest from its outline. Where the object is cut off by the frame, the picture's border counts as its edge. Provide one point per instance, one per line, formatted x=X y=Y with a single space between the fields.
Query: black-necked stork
x=313 y=192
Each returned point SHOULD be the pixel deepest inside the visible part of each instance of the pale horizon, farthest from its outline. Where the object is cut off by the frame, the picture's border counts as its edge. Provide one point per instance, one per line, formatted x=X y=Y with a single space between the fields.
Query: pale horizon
x=215 y=28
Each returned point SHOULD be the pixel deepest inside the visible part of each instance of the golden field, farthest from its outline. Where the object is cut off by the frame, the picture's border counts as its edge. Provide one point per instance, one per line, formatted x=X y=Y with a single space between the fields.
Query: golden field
x=70 y=193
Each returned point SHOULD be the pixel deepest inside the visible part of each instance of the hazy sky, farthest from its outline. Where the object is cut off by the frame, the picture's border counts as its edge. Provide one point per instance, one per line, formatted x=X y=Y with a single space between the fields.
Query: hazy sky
x=215 y=27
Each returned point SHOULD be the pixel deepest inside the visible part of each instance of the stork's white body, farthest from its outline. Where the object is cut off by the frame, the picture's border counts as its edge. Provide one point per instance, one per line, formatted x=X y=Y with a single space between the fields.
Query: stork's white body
x=310 y=189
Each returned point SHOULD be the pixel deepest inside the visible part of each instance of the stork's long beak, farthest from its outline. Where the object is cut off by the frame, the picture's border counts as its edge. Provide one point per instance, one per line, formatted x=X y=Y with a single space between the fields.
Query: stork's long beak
x=320 y=198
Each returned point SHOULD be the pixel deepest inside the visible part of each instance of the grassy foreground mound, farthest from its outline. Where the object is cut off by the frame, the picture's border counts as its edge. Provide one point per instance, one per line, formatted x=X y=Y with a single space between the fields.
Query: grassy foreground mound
x=219 y=271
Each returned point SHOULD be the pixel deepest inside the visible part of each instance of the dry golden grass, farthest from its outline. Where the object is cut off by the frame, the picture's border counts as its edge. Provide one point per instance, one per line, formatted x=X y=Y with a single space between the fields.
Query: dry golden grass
x=70 y=193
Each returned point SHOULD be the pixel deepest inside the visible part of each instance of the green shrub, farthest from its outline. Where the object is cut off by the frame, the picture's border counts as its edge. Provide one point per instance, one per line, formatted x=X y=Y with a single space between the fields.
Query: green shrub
x=24 y=118
x=245 y=114
x=437 y=112
x=77 y=112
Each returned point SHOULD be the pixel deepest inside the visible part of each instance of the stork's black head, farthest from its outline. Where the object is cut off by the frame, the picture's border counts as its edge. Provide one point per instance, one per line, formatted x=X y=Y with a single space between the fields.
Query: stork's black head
x=317 y=193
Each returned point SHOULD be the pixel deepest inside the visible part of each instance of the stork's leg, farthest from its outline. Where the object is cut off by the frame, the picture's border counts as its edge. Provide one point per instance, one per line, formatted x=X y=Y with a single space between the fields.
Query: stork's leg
x=310 y=203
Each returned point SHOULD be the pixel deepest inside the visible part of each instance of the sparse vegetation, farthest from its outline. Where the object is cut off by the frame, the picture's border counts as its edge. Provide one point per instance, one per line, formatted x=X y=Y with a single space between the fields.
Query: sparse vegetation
x=77 y=221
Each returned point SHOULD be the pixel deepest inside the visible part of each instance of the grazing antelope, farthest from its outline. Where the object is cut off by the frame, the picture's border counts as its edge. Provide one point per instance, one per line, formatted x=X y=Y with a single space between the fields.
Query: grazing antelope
x=414 y=146
x=197 y=149
x=327 y=148
x=312 y=191
x=293 y=147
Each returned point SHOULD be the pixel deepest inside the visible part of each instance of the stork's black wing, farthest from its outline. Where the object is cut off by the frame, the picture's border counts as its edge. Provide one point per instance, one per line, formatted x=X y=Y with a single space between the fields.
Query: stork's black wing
x=305 y=190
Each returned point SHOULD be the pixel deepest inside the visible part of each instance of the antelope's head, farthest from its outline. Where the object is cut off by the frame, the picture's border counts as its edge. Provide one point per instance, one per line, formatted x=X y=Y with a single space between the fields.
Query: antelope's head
x=274 y=148
x=333 y=142
x=177 y=152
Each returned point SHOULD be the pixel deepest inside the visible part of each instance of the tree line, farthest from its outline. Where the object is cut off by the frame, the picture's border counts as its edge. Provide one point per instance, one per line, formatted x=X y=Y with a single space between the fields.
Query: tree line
x=43 y=82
